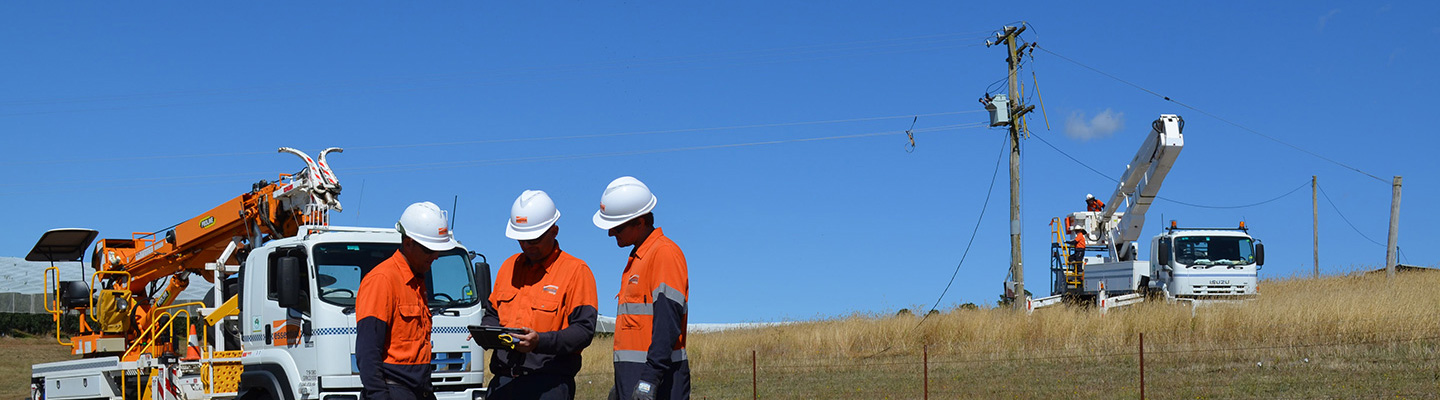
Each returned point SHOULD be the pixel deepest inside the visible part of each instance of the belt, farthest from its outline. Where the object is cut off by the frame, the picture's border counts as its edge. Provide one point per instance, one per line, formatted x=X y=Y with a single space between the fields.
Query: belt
x=519 y=372
x=389 y=381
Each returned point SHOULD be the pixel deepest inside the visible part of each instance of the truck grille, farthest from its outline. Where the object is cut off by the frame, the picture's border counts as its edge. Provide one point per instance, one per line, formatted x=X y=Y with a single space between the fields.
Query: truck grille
x=1218 y=289
x=440 y=362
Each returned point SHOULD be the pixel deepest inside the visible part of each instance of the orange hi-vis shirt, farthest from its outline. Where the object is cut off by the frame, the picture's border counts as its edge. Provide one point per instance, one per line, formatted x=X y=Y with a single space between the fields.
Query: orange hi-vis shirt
x=556 y=298
x=542 y=296
x=656 y=267
x=393 y=327
x=1096 y=205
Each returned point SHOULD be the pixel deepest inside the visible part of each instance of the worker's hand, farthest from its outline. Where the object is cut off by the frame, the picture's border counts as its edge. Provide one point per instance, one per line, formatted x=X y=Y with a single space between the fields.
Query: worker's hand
x=644 y=391
x=526 y=342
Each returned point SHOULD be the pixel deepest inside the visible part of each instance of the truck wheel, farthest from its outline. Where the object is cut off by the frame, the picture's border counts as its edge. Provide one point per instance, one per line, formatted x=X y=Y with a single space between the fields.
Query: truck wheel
x=255 y=395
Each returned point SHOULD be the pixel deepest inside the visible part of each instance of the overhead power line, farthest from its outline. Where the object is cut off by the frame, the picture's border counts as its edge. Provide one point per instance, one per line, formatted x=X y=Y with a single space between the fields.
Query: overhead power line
x=381 y=169
x=1217 y=117
x=504 y=140
x=1292 y=191
x=520 y=160
x=973 y=232
x=1343 y=218
x=449 y=80
x=1112 y=179
x=666 y=131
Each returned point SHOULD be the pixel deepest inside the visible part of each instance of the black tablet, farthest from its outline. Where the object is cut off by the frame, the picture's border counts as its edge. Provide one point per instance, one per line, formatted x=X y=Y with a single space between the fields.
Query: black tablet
x=489 y=336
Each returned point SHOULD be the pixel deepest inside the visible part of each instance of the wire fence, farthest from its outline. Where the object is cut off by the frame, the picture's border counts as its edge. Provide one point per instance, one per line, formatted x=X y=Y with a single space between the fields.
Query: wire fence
x=1385 y=363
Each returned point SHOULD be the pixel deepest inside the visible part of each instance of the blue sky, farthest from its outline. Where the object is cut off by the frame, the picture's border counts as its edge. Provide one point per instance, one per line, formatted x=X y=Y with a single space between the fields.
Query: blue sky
x=132 y=117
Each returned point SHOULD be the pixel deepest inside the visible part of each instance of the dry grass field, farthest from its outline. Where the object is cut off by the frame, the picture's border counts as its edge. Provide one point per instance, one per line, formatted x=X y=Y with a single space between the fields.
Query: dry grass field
x=17 y=354
x=1335 y=337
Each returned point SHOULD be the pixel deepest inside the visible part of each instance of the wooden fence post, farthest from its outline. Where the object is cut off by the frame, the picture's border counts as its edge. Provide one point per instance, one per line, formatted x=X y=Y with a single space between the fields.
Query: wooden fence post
x=754 y=377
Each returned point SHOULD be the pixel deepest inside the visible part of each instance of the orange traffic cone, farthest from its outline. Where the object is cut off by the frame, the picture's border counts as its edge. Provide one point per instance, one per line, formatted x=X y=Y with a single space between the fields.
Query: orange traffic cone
x=192 y=347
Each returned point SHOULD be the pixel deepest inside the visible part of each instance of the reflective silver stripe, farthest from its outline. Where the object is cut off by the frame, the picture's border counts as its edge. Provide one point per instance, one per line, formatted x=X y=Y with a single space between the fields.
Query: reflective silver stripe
x=636 y=309
x=637 y=356
x=672 y=294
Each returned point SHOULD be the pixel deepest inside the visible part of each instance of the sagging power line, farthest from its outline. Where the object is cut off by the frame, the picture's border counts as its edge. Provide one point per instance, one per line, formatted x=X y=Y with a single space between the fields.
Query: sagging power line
x=1344 y=218
x=1112 y=179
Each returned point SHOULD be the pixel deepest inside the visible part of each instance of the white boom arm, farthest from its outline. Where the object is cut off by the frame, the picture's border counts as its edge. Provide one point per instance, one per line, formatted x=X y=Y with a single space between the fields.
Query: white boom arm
x=1141 y=183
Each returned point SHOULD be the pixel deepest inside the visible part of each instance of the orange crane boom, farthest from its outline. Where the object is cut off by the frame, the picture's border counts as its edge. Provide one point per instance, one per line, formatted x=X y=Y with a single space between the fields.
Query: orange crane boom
x=125 y=268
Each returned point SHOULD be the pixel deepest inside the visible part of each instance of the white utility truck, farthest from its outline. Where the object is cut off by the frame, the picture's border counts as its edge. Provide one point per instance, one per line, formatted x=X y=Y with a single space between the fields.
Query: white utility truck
x=1189 y=263
x=279 y=322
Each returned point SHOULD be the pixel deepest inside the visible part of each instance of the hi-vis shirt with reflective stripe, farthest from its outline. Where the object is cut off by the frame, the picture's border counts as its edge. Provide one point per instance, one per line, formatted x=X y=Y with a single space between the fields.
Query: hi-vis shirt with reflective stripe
x=656 y=270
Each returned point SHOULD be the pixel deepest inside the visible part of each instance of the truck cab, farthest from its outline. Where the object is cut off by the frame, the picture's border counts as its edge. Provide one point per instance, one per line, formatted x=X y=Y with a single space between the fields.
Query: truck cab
x=1206 y=263
x=297 y=315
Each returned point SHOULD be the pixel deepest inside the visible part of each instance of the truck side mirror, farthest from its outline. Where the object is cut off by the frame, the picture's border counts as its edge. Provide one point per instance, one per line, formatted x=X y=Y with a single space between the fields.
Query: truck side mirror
x=1164 y=249
x=1259 y=255
x=290 y=274
x=482 y=278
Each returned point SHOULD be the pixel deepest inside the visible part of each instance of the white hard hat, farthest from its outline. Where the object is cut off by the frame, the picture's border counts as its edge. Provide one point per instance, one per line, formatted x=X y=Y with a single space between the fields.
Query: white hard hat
x=624 y=199
x=1077 y=228
x=426 y=223
x=533 y=214
x=1089 y=196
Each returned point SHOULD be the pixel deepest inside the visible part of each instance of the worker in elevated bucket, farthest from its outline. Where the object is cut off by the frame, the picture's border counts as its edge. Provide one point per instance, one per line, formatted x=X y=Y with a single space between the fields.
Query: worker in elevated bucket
x=651 y=319
x=1093 y=204
x=392 y=342
x=551 y=295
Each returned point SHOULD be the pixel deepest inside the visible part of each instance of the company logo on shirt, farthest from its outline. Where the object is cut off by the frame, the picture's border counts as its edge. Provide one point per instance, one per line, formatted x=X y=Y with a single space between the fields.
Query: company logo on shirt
x=635 y=279
x=551 y=289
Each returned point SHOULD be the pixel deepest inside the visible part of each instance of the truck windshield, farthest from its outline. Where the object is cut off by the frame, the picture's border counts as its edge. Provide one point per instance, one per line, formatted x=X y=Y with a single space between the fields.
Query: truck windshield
x=1214 y=250
x=340 y=266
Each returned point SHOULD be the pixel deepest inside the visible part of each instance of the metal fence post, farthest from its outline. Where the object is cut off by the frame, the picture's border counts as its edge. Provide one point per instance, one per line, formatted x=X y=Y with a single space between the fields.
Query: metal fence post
x=754 y=377
x=1142 y=365
x=926 y=367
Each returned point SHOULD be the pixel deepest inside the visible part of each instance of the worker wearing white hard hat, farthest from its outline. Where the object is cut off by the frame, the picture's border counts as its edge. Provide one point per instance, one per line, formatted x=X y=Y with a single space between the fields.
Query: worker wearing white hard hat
x=652 y=314
x=392 y=343
x=1093 y=204
x=549 y=294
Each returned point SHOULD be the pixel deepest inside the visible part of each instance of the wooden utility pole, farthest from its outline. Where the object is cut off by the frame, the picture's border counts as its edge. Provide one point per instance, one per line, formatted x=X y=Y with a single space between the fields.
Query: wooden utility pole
x=1315 y=214
x=1015 y=111
x=1390 y=248
x=1016 y=266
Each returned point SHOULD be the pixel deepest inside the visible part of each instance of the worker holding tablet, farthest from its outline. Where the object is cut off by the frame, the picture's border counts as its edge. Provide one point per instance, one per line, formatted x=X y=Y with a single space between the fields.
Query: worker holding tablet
x=550 y=295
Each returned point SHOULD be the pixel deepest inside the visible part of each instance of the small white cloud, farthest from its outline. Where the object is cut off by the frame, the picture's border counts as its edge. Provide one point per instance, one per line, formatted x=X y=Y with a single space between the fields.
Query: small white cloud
x=1325 y=19
x=1104 y=124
